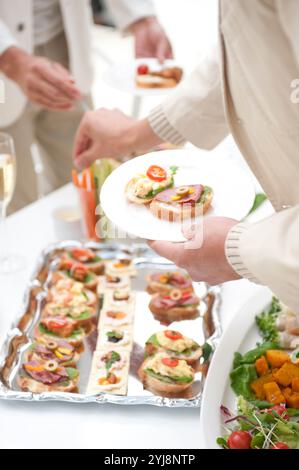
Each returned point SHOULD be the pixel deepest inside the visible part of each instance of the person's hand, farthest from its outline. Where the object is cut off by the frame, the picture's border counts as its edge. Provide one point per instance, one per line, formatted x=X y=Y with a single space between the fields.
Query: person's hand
x=151 y=40
x=110 y=133
x=203 y=255
x=44 y=82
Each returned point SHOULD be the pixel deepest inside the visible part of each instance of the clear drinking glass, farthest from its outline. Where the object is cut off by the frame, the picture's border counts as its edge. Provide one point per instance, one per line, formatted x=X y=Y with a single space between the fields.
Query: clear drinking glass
x=8 y=262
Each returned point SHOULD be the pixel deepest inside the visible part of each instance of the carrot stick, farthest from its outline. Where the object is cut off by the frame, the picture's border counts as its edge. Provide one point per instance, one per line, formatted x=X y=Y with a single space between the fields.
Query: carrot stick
x=84 y=180
x=75 y=178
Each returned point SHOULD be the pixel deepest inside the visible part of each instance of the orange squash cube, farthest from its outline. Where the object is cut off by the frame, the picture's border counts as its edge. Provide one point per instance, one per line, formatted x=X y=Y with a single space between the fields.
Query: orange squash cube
x=261 y=366
x=293 y=400
x=277 y=358
x=257 y=385
x=273 y=393
x=286 y=374
x=295 y=384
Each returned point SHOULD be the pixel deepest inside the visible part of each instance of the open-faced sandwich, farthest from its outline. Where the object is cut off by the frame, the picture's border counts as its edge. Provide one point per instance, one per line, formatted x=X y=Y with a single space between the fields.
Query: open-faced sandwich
x=77 y=272
x=165 y=282
x=71 y=293
x=50 y=328
x=142 y=188
x=115 y=336
x=182 y=203
x=165 y=77
x=82 y=314
x=116 y=316
x=109 y=372
x=174 y=344
x=121 y=267
x=119 y=298
x=113 y=282
x=85 y=256
x=175 y=306
x=53 y=350
x=165 y=375
x=49 y=376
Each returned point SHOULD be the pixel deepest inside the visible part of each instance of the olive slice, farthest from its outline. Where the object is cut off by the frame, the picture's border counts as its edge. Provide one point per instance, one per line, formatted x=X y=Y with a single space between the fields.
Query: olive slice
x=51 y=366
x=182 y=191
x=175 y=294
x=51 y=345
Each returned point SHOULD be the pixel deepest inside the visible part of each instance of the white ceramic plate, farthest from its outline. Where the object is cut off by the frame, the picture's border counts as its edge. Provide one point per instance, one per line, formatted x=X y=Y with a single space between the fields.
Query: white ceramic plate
x=233 y=190
x=122 y=77
x=241 y=335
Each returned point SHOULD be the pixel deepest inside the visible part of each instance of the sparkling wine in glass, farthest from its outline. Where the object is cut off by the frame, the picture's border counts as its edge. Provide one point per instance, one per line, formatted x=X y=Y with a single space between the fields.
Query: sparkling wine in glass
x=8 y=262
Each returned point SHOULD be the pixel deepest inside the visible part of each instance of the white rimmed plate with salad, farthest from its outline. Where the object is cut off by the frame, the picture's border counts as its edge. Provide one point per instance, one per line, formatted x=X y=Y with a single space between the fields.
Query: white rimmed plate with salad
x=251 y=396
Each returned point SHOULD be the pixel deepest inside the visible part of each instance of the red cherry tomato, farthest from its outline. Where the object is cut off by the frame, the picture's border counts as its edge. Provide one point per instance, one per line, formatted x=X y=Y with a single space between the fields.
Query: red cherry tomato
x=170 y=362
x=280 y=410
x=173 y=335
x=82 y=254
x=279 y=445
x=142 y=69
x=239 y=440
x=56 y=324
x=156 y=173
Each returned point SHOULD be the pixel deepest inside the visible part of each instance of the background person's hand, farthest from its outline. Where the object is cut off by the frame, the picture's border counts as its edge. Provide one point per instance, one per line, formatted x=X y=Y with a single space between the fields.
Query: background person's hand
x=151 y=40
x=45 y=83
x=203 y=255
x=110 y=133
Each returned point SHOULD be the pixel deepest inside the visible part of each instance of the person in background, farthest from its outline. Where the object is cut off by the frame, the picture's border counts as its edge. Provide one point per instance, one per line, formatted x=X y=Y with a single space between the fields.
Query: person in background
x=46 y=68
x=253 y=94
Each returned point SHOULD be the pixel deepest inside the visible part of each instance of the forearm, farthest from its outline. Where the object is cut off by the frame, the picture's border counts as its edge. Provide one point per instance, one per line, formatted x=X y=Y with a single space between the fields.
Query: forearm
x=194 y=112
x=142 y=138
x=268 y=252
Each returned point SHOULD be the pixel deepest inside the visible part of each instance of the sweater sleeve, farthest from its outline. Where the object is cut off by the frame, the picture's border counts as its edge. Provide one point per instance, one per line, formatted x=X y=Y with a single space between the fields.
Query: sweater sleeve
x=194 y=111
x=126 y=12
x=267 y=252
x=6 y=38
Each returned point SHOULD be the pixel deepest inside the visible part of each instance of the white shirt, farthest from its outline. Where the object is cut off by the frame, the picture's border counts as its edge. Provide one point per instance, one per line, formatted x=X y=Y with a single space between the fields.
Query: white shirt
x=47 y=22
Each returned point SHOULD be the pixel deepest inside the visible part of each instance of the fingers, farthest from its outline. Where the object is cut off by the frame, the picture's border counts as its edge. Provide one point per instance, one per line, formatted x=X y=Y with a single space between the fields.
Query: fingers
x=47 y=92
x=60 y=79
x=171 y=251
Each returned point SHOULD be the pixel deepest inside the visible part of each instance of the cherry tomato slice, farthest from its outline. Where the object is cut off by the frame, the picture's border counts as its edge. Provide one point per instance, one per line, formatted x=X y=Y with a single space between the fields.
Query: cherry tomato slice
x=170 y=362
x=156 y=173
x=142 y=69
x=280 y=445
x=239 y=440
x=173 y=335
x=82 y=254
x=56 y=324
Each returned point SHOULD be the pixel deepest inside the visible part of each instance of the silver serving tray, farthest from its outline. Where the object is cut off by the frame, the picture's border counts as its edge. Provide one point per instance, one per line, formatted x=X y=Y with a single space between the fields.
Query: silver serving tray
x=206 y=328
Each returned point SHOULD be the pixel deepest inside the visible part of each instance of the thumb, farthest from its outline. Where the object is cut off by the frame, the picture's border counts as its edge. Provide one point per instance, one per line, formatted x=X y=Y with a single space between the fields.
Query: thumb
x=161 y=52
x=168 y=250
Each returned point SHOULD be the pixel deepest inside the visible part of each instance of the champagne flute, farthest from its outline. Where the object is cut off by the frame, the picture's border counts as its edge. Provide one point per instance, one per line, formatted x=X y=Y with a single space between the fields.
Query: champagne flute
x=8 y=262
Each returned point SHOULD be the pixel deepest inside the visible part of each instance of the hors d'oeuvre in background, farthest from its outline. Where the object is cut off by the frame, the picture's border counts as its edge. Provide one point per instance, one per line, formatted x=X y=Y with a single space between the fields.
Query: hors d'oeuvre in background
x=50 y=376
x=176 y=345
x=53 y=350
x=165 y=375
x=158 y=77
x=121 y=267
x=109 y=372
x=165 y=282
x=175 y=306
x=85 y=256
